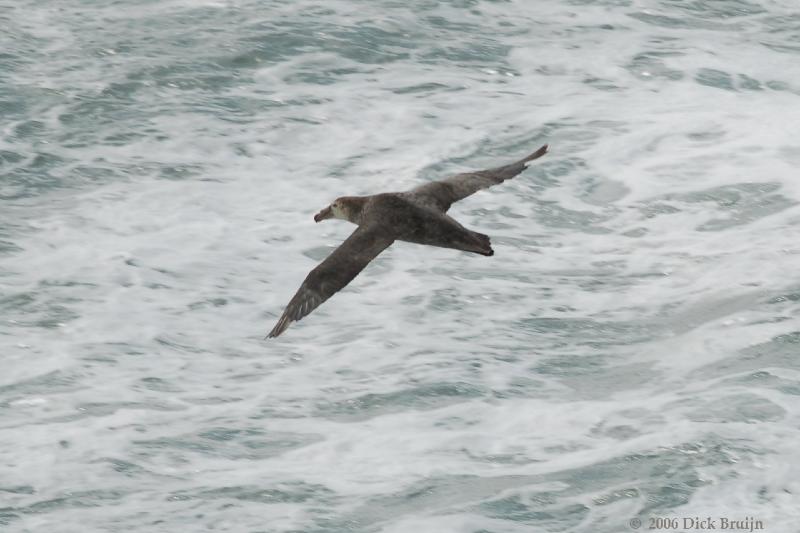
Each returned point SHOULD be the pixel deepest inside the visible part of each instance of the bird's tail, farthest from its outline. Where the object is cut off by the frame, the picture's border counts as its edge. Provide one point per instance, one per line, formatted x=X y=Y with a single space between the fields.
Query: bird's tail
x=481 y=244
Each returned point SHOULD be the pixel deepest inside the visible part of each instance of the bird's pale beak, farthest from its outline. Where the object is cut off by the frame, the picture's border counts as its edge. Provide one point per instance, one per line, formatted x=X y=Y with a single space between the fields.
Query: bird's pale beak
x=322 y=215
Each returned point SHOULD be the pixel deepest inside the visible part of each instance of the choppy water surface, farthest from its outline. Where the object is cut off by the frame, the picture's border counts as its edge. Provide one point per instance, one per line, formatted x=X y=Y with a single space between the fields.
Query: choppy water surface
x=631 y=351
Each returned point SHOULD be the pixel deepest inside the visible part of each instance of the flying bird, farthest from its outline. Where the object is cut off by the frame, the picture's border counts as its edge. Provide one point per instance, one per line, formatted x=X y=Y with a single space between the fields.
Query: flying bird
x=418 y=215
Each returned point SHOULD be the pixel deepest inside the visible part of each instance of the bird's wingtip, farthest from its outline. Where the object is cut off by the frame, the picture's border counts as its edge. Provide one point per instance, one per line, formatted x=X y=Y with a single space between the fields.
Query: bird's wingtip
x=279 y=328
x=540 y=152
x=537 y=154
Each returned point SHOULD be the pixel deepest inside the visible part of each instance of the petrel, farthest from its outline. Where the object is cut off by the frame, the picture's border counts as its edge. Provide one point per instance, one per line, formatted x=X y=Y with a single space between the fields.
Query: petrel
x=418 y=215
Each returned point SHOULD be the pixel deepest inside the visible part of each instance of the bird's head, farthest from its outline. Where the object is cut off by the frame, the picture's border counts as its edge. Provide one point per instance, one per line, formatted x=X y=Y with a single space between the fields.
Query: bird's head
x=346 y=208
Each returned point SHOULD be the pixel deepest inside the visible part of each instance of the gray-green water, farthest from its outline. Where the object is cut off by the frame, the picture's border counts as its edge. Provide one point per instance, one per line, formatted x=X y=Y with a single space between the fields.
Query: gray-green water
x=630 y=352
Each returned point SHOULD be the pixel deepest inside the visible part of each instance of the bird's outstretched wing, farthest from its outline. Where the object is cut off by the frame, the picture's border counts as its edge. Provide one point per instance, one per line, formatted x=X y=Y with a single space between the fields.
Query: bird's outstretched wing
x=336 y=271
x=442 y=194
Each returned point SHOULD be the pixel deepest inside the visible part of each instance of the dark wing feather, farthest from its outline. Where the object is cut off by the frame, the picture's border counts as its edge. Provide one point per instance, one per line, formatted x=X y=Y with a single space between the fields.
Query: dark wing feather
x=336 y=271
x=442 y=194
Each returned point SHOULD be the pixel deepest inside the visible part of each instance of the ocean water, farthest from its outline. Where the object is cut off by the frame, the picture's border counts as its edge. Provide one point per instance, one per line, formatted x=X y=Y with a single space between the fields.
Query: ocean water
x=631 y=352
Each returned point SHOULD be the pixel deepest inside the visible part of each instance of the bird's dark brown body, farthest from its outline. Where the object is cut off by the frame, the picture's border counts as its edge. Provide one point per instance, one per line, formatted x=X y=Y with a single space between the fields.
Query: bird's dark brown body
x=418 y=216
x=420 y=224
